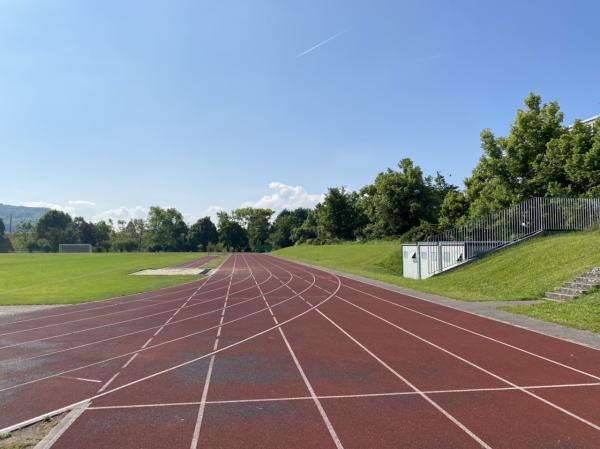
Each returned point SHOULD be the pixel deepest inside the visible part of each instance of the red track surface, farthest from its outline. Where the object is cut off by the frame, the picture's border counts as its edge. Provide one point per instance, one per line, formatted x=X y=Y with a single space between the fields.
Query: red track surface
x=270 y=354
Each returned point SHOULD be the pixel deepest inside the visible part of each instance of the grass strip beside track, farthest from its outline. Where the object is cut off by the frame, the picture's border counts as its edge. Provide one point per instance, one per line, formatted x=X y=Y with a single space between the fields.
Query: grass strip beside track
x=581 y=313
x=521 y=272
x=75 y=278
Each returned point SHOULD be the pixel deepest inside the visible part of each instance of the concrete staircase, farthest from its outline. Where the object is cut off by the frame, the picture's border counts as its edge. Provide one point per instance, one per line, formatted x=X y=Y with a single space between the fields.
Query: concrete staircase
x=577 y=287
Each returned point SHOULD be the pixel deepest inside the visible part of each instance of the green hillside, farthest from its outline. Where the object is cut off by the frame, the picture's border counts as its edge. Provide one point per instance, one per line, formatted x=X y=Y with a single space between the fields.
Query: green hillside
x=523 y=271
x=19 y=214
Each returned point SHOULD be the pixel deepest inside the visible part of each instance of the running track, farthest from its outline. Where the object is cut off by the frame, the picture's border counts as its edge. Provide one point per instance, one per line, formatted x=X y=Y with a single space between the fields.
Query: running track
x=267 y=353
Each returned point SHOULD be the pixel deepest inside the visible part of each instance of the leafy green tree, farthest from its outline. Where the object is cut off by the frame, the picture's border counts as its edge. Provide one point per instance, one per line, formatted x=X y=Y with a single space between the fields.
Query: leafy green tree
x=338 y=216
x=25 y=234
x=510 y=169
x=232 y=234
x=167 y=230
x=5 y=243
x=399 y=200
x=83 y=231
x=102 y=235
x=256 y=222
x=455 y=209
x=282 y=230
x=307 y=232
x=202 y=233
x=54 y=227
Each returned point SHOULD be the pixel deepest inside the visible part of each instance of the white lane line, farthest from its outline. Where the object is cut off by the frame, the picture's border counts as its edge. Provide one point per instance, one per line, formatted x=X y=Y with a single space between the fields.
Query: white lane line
x=19 y=360
x=130 y=360
x=309 y=387
x=438 y=407
x=159 y=373
x=159 y=330
x=474 y=365
x=152 y=347
x=147 y=342
x=479 y=334
x=123 y=302
x=344 y=396
x=105 y=386
x=202 y=407
x=82 y=379
x=204 y=282
x=545 y=401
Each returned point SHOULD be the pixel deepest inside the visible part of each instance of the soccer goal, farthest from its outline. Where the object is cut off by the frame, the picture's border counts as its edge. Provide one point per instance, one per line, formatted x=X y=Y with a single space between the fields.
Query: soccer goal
x=74 y=248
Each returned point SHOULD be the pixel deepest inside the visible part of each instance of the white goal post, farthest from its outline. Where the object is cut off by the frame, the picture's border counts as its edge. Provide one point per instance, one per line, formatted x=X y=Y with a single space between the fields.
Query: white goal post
x=74 y=248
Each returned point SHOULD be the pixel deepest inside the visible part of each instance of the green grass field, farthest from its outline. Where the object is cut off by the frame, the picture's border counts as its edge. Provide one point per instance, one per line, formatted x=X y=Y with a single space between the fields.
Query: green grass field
x=581 y=313
x=73 y=278
x=524 y=271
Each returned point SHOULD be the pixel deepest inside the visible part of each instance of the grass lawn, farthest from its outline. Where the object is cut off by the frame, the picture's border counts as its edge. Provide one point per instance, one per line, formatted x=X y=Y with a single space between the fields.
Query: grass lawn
x=581 y=313
x=523 y=271
x=73 y=278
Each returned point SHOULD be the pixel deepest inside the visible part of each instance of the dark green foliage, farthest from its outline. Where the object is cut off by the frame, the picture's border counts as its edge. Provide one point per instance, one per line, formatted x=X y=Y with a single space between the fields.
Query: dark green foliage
x=399 y=200
x=55 y=227
x=282 y=230
x=167 y=230
x=5 y=244
x=339 y=216
x=201 y=234
x=256 y=223
x=539 y=157
x=232 y=235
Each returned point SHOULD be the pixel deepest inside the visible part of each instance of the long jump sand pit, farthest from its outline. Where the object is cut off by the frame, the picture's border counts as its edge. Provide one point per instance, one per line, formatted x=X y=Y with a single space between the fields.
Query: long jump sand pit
x=172 y=271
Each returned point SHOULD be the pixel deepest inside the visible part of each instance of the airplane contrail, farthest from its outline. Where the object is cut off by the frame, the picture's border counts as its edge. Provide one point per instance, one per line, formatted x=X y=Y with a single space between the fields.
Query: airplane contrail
x=329 y=39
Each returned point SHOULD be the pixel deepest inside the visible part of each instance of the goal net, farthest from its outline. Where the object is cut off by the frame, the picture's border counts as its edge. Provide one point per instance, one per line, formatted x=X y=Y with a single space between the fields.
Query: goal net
x=74 y=248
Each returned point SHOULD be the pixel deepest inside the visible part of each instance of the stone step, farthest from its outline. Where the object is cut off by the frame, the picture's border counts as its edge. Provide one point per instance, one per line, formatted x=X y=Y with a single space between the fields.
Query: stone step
x=588 y=279
x=559 y=296
x=579 y=285
x=569 y=291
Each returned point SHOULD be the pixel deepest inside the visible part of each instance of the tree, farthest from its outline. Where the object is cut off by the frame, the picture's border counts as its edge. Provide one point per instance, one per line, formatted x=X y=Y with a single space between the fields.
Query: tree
x=257 y=226
x=455 y=209
x=307 y=232
x=25 y=235
x=284 y=226
x=54 y=228
x=167 y=230
x=5 y=244
x=338 y=216
x=201 y=234
x=400 y=200
x=231 y=233
x=102 y=235
x=510 y=169
x=83 y=231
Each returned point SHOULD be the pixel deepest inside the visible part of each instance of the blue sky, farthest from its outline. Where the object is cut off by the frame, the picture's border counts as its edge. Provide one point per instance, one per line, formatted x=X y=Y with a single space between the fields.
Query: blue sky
x=108 y=107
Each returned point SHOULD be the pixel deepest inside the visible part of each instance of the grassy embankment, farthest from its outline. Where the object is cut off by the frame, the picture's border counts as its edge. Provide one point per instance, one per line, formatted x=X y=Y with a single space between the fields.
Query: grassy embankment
x=73 y=278
x=521 y=272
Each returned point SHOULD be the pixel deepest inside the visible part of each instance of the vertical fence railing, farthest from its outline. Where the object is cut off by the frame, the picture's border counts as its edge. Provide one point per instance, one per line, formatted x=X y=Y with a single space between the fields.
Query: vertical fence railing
x=519 y=222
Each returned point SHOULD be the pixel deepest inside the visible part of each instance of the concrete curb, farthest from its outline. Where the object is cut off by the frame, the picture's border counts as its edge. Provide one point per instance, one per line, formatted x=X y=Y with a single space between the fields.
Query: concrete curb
x=485 y=309
x=48 y=441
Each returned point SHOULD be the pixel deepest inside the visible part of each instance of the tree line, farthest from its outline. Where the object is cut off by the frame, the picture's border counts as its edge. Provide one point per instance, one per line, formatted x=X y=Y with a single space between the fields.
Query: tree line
x=540 y=156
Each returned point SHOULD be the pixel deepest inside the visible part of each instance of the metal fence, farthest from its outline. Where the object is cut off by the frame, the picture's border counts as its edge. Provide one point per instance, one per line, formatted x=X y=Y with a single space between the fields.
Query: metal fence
x=519 y=222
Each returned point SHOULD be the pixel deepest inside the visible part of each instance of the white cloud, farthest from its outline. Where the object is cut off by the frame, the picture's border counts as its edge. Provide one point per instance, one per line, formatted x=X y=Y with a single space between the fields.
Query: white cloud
x=81 y=203
x=68 y=209
x=211 y=211
x=286 y=197
x=122 y=213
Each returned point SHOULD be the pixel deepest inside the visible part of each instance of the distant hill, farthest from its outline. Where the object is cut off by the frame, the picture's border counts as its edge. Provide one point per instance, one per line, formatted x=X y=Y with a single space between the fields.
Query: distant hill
x=20 y=213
